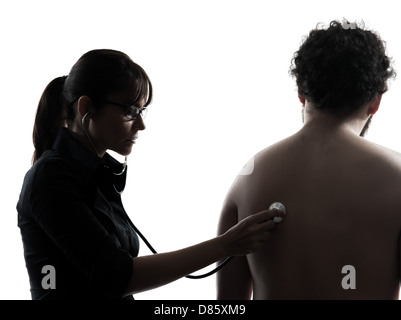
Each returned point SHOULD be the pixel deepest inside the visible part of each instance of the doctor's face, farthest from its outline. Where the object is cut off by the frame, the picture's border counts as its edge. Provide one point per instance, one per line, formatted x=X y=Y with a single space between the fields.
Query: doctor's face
x=117 y=123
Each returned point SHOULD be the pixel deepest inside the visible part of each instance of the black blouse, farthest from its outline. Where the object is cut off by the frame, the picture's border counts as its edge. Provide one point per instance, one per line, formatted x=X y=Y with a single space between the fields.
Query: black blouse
x=71 y=218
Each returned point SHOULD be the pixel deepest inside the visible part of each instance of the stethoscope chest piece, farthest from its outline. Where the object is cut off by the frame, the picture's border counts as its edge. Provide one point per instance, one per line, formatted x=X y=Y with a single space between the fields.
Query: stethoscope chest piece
x=278 y=206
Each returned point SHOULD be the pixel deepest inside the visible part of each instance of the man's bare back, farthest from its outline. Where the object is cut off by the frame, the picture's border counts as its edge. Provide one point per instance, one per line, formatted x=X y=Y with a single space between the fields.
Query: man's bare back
x=340 y=238
x=343 y=200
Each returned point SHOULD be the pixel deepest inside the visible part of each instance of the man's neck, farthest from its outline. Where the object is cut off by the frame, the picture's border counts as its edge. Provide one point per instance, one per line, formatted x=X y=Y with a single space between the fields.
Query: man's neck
x=325 y=122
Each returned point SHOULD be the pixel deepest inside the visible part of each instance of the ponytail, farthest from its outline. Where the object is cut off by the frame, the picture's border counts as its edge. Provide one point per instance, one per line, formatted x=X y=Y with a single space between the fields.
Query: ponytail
x=50 y=117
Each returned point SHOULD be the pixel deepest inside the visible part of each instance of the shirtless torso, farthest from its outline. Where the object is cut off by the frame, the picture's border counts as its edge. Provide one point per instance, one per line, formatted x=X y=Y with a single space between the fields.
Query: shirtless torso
x=343 y=200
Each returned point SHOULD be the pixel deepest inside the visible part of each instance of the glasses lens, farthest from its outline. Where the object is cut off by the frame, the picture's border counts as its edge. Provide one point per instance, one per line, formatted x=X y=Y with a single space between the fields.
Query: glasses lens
x=144 y=112
x=133 y=113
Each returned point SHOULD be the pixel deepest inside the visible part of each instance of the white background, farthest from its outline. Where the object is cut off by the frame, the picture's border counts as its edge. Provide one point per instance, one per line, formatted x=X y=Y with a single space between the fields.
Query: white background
x=222 y=93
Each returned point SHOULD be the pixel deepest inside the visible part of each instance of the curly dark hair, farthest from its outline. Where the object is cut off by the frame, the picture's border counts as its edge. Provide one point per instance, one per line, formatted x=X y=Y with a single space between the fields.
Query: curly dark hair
x=341 y=68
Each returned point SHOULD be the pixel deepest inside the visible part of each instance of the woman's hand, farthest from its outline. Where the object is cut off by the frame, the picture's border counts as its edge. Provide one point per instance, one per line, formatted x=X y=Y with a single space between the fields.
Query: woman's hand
x=250 y=234
x=246 y=236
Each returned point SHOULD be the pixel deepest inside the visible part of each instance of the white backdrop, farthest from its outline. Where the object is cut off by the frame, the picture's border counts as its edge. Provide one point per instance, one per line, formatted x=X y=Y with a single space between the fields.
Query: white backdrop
x=222 y=93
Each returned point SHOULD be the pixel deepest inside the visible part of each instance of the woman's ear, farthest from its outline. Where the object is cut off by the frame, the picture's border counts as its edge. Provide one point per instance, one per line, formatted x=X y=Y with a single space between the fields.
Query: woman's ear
x=85 y=106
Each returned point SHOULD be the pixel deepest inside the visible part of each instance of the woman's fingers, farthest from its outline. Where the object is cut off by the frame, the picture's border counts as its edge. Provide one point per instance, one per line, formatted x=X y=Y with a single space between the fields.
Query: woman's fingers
x=252 y=232
x=265 y=215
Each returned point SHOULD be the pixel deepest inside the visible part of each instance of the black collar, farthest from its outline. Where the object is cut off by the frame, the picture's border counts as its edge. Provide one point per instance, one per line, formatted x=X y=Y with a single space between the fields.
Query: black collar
x=102 y=170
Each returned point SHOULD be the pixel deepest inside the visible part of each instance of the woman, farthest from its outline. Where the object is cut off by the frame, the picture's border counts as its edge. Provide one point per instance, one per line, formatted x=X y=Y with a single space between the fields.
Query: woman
x=70 y=212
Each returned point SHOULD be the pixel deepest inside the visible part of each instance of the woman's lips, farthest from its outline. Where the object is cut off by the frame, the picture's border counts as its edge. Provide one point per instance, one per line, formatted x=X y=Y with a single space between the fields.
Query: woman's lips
x=132 y=140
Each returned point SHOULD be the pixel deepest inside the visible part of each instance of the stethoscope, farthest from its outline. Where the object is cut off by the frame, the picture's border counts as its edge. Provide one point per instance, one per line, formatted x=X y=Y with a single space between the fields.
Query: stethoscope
x=221 y=265
x=275 y=205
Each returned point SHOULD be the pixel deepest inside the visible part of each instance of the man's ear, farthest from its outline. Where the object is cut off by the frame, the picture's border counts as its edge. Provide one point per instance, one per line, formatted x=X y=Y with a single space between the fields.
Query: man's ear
x=374 y=105
x=301 y=99
x=85 y=106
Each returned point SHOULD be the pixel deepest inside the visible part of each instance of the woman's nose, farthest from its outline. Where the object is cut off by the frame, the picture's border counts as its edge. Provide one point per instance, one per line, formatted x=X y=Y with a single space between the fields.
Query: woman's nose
x=139 y=124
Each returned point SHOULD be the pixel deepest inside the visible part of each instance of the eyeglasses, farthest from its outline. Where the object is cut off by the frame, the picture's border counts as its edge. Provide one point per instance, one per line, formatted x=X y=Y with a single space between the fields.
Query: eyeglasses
x=130 y=112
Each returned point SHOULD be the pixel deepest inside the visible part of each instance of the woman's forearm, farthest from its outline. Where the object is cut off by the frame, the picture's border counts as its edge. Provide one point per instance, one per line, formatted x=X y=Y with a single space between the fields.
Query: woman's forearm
x=153 y=271
x=246 y=236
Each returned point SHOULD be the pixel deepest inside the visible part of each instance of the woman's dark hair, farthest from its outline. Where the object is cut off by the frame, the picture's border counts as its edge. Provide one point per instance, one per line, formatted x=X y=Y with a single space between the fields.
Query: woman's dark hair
x=341 y=68
x=97 y=74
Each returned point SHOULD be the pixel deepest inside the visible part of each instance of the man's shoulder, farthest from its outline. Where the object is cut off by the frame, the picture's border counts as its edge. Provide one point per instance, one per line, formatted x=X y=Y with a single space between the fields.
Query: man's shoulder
x=383 y=154
x=383 y=148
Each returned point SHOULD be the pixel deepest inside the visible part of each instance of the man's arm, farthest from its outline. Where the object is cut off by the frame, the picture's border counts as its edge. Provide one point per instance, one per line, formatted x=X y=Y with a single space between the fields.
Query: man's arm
x=234 y=281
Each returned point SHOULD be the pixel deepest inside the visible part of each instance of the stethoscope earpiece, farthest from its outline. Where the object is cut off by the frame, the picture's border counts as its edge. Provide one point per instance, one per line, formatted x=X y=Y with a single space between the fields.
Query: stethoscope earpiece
x=87 y=134
x=84 y=117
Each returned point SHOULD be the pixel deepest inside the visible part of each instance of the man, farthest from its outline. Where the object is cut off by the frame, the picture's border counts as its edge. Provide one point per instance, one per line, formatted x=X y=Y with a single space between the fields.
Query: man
x=340 y=237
